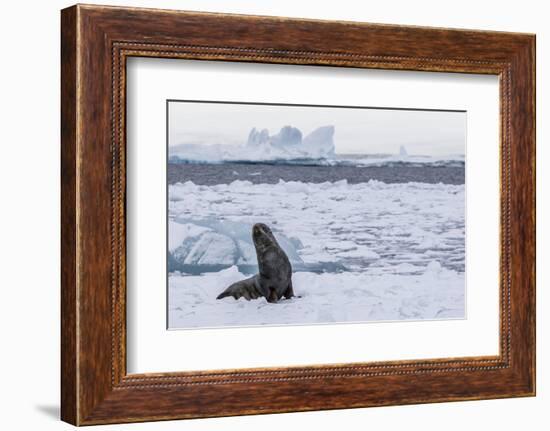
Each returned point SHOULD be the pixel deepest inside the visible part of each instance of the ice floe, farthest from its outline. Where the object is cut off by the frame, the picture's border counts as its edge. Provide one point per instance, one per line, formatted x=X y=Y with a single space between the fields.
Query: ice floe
x=360 y=252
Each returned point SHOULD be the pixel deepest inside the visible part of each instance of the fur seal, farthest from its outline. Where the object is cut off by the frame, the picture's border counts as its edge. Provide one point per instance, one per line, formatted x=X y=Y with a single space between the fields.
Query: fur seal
x=274 y=279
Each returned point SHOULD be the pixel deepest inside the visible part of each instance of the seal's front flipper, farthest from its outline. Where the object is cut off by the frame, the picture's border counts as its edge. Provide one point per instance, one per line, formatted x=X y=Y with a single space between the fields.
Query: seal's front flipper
x=289 y=293
x=241 y=289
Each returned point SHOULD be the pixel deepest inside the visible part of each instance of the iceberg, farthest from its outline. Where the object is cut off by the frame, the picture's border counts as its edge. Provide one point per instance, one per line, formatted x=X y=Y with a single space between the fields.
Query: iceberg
x=320 y=142
x=288 y=138
x=286 y=145
x=257 y=138
x=210 y=248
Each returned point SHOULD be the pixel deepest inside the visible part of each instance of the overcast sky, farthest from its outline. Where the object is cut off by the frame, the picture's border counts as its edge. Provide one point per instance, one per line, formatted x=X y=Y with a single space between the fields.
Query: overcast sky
x=365 y=131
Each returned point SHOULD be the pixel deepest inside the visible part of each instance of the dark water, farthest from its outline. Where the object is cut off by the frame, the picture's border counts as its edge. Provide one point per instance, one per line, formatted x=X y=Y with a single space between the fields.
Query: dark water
x=211 y=174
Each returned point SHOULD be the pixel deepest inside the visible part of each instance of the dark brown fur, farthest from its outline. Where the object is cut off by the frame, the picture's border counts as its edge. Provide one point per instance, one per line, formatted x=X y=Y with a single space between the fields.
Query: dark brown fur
x=274 y=280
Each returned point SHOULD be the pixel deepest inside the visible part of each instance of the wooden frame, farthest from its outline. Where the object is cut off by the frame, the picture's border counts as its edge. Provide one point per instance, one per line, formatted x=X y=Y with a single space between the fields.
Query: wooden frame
x=96 y=41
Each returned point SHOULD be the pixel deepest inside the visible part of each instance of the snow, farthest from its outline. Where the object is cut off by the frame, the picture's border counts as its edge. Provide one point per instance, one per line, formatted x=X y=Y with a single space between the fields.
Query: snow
x=287 y=144
x=323 y=298
x=360 y=252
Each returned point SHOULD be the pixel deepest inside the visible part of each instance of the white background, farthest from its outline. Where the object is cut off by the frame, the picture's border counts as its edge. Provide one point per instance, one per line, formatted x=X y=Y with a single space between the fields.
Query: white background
x=153 y=349
x=29 y=227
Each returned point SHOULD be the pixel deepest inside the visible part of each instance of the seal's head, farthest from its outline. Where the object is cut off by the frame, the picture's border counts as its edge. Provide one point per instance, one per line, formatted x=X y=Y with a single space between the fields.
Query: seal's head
x=263 y=237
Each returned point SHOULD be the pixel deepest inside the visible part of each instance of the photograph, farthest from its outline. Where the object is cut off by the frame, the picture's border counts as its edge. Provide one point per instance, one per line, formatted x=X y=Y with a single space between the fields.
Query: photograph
x=288 y=214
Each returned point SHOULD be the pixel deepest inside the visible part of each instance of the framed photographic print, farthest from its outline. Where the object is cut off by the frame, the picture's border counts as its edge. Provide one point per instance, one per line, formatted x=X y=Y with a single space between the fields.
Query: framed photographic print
x=329 y=209
x=266 y=215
